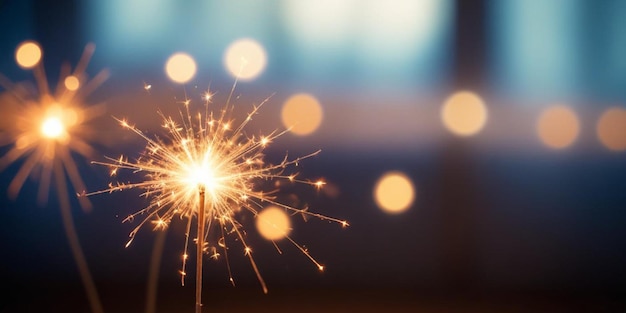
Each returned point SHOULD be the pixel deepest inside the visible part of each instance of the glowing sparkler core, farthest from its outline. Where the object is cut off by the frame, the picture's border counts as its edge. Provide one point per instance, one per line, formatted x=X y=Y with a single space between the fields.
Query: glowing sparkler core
x=201 y=176
x=199 y=173
x=57 y=122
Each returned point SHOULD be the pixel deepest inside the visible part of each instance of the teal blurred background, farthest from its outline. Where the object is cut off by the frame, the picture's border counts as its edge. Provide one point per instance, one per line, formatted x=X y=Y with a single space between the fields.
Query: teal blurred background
x=500 y=222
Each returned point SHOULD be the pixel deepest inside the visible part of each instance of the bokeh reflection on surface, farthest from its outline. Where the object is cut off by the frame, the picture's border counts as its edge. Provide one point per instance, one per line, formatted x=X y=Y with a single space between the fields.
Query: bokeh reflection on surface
x=514 y=195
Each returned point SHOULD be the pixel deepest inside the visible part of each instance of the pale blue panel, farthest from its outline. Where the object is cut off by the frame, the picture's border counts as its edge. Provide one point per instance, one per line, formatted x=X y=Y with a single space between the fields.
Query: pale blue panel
x=535 y=48
x=131 y=31
x=371 y=42
x=140 y=31
x=615 y=78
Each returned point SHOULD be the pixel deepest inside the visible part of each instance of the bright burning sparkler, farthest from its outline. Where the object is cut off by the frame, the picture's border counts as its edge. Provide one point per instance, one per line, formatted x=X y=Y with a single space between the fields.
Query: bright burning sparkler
x=209 y=169
x=47 y=128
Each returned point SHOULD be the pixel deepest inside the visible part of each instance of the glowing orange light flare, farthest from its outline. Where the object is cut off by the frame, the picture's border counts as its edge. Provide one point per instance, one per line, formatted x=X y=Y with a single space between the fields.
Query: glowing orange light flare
x=47 y=126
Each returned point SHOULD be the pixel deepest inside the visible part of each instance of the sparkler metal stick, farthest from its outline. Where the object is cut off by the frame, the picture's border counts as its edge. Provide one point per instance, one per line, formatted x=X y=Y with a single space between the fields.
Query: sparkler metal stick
x=200 y=248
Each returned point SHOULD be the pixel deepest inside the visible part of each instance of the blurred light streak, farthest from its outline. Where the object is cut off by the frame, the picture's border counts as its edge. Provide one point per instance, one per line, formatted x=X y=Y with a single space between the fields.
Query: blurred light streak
x=394 y=192
x=302 y=114
x=558 y=127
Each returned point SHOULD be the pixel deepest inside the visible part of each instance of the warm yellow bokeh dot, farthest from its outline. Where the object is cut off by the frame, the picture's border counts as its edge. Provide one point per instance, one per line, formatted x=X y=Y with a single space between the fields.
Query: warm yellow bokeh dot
x=72 y=83
x=273 y=223
x=394 y=192
x=28 y=54
x=464 y=113
x=611 y=129
x=302 y=113
x=558 y=127
x=245 y=59
x=180 y=67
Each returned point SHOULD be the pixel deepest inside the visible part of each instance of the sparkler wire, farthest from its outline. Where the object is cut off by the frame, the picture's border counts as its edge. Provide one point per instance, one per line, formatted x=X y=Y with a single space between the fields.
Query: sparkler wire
x=200 y=248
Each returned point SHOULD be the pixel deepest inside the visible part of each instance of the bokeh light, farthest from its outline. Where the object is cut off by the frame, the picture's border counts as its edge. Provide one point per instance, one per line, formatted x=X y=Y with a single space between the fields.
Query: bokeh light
x=611 y=129
x=394 y=192
x=245 y=59
x=273 y=223
x=464 y=113
x=302 y=113
x=71 y=83
x=180 y=67
x=558 y=127
x=28 y=54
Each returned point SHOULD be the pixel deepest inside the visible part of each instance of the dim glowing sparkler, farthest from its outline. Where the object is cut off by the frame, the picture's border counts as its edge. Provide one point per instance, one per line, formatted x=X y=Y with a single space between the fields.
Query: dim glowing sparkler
x=209 y=169
x=46 y=128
